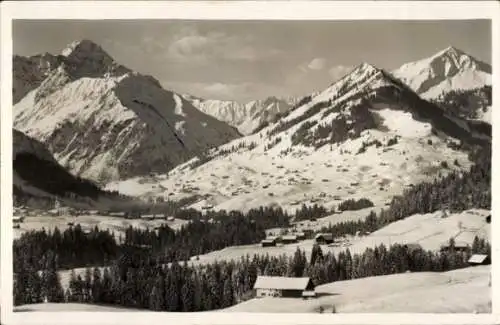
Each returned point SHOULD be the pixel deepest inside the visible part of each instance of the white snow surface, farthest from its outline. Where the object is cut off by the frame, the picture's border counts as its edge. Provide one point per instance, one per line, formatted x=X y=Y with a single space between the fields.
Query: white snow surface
x=459 y=291
x=403 y=123
x=449 y=69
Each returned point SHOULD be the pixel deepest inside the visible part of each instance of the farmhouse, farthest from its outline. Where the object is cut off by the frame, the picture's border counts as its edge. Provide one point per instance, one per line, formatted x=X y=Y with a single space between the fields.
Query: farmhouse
x=300 y=236
x=277 y=286
x=148 y=217
x=457 y=247
x=289 y=239
x=268 y=242
x=479 y=259
x=323 y=238
x=17 y=219
x=117 y=214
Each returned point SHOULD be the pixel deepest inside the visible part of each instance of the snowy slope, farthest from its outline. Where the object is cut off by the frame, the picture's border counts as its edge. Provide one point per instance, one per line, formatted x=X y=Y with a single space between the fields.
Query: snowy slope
x=245 y=117
x=430 y=231
x=459 y=291
x=327 y=145
x=449 y=69
x=105 y=122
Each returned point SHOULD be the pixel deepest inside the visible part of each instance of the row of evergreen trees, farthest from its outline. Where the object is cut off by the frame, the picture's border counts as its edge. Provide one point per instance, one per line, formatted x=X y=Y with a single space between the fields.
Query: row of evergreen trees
x=139 y=281
x=206 y=232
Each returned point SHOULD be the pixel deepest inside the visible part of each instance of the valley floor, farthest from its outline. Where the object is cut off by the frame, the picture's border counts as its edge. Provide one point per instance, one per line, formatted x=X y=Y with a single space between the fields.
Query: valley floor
x=87 y=222
x=459 y=291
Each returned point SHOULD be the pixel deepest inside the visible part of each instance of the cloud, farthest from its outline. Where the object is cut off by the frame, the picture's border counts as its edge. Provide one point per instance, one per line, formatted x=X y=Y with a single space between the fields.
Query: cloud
x=339 y=71
x=317 y=64
x=191 y=45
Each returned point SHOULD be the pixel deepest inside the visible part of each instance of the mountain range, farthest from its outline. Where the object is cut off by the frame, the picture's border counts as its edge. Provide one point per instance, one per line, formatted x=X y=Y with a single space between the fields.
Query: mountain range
x=367 y=135
x=245 y=117
x=105 y=122
x=102 y=121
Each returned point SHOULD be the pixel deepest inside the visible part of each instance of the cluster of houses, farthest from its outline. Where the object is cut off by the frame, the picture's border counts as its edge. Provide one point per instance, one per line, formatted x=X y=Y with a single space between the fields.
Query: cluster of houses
x=321 y=239
x=283 y=239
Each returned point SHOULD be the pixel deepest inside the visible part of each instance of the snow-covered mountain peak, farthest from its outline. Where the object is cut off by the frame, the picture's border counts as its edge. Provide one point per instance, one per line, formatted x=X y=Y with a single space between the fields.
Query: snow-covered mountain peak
x=87 y=59
x=449 y=69
x=84 y=48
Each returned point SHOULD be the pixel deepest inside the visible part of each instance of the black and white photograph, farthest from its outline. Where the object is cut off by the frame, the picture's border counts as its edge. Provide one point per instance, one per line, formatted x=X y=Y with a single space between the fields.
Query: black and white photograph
x=251 y=166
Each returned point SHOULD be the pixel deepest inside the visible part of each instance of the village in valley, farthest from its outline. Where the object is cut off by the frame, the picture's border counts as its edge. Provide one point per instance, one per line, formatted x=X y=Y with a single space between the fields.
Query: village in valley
x=370 y=192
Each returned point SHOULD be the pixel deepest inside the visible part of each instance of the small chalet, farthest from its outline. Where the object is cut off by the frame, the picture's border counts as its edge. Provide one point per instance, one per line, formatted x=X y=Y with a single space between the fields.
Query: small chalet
x=300 y=236
x=289 y=239
x=171 y=218
x=148 y=217
x=117 y=214
x=411 y=247
x=268 y=242
x=17 y=219
x=277 y=286
x=479 y=259
x=457 y=247
x=323 y=238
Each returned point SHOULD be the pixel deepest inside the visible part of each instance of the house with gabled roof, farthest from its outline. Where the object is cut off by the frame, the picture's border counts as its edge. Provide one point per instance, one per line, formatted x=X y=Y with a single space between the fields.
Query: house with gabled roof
x=323 y=238
x=479 y=259
x=278 y=286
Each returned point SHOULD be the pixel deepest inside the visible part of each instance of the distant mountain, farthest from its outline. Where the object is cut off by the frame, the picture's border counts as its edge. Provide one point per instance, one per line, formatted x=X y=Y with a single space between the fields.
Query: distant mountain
x=105 y=122
x=448 y=70
x=367 y=135
x=245 y=117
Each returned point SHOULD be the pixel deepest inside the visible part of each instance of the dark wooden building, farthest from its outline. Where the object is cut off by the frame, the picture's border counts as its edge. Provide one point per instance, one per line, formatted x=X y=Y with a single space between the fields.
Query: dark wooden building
x=277 y=286
x=323 y=239
x=268 y=242
x=289 y=239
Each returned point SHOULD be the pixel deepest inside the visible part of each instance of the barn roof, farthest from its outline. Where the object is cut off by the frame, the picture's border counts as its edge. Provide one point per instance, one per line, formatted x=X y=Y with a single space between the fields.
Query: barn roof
x=289 y=237
x=325 y=236
x=477 y=258
x=282 y=283
x=268 y=240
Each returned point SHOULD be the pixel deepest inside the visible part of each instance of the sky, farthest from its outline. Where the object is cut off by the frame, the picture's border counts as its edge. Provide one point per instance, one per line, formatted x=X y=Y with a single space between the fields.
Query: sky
x=248 y=60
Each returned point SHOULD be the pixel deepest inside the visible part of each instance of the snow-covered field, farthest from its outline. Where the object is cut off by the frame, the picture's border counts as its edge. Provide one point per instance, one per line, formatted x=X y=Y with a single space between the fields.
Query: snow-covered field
x=116 y=224
x=428 y=230
x=459 y=291
x=49 y=307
